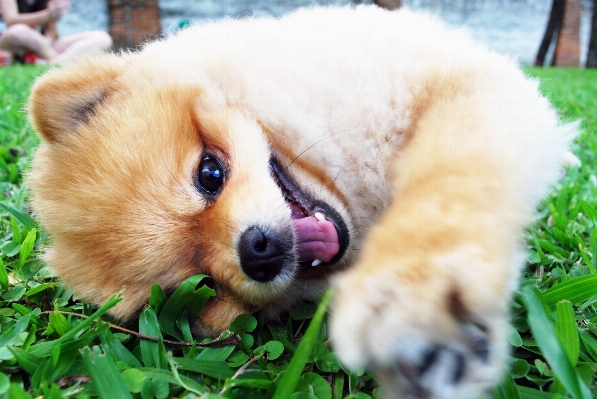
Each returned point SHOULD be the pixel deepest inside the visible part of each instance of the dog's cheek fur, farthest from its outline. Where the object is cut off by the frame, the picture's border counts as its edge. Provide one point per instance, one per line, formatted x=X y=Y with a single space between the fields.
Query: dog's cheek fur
x=116 y=195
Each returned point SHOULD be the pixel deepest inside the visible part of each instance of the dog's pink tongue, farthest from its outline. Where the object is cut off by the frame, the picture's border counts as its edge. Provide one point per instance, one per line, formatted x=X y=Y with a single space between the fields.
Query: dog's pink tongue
x=316 y=239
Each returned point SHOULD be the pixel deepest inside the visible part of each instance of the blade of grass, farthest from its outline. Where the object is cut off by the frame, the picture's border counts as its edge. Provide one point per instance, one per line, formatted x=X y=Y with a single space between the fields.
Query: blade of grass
x=567 y=330
x=189 y=295
x=26 y=360
x=157 y=298
x=589 y=343
x=21 y=217
x=40 y=288
x=576 y=290
x=10 y=336
x=26 y=247
x=507 y=390
x=3 y=276
x=104 y=375
x=593 y=248
x=178 y=378
x=153 y=353
x=530 y=393
x=211 y=368
x=168 y=376
x=544 y=333
x=118 y=351
x=46 y=348
x=293 y=373
x=338 y=385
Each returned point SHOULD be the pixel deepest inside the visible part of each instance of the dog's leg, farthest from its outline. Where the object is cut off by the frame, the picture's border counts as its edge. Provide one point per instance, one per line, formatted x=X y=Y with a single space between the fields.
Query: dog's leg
x=425 y=308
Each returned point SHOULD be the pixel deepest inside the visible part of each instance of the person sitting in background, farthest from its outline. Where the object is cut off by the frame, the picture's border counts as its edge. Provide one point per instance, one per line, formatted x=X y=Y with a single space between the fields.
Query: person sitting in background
x=31 y=28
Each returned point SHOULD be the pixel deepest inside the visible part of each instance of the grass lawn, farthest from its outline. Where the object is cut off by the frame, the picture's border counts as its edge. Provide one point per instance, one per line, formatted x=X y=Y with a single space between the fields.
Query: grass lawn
x=53 y=345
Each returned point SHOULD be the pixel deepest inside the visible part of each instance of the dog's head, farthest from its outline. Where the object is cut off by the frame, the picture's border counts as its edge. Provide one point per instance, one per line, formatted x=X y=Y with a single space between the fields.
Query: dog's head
x=148 y=176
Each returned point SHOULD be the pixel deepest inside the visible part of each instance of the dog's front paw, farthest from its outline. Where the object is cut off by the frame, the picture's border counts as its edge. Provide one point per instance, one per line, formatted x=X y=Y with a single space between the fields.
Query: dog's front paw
x=418 y=366
x=424 y=333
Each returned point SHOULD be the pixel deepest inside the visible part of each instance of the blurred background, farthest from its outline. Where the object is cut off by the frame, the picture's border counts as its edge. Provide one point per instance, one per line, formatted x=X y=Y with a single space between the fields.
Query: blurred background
x=514 y=27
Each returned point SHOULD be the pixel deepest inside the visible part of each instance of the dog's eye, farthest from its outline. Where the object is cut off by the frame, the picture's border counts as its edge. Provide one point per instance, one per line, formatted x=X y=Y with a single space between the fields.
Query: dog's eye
x=210 y=176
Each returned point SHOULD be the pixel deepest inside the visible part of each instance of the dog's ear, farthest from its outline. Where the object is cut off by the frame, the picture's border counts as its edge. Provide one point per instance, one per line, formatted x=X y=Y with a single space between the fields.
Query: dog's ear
x=65 y=97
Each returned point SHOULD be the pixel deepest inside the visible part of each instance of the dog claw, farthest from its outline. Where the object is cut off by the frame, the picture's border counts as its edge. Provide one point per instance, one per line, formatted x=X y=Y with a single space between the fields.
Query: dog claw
x=459 y=368
x=429 y=358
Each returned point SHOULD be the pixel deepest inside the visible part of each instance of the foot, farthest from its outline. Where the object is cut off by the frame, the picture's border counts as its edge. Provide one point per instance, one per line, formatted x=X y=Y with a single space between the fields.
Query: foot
x=5 y=58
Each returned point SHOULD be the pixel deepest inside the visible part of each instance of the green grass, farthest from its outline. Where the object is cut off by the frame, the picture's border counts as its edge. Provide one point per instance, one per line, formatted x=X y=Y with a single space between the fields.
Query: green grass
x=46 y=349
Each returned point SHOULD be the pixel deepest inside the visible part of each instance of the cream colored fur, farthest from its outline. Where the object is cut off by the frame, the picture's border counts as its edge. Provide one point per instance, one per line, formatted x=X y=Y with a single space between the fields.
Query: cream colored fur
x=433 y=149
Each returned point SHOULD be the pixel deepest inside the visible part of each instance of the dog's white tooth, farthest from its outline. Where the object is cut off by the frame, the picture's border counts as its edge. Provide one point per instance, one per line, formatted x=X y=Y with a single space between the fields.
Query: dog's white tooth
x=319 y=216
x=316 y=262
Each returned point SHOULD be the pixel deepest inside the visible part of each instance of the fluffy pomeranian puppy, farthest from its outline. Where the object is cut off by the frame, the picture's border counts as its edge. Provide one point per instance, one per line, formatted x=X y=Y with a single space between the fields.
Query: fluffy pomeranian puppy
x=272 y=154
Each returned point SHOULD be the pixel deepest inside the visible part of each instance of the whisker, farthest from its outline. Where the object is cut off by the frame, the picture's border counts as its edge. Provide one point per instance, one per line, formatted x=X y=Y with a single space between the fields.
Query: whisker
x=338 y=174
x=314 y=144
x=226 y=223
x=232 y=296
x=280 y=206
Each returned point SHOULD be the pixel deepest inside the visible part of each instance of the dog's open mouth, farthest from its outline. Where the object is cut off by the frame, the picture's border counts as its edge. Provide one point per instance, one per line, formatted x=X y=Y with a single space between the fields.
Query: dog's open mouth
x=322 y=235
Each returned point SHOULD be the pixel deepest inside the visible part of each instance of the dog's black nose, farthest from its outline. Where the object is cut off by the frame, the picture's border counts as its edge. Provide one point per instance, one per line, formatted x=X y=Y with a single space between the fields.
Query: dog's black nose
x=264 y=254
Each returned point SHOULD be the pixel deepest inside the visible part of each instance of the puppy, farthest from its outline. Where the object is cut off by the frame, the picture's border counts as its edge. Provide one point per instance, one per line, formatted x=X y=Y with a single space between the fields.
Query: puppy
x=272 y=154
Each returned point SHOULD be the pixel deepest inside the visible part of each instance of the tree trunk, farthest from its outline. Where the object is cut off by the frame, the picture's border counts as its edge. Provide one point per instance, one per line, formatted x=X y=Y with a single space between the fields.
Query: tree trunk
x=592 y=54
x=133 y=22
x=389 y=4
x=551 y=31
x=567 y=51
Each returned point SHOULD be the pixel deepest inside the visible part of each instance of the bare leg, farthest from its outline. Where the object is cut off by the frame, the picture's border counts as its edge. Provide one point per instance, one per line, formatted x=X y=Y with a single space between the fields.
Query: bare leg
x=20 y=37
x=73 y=46
x=5 y=57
